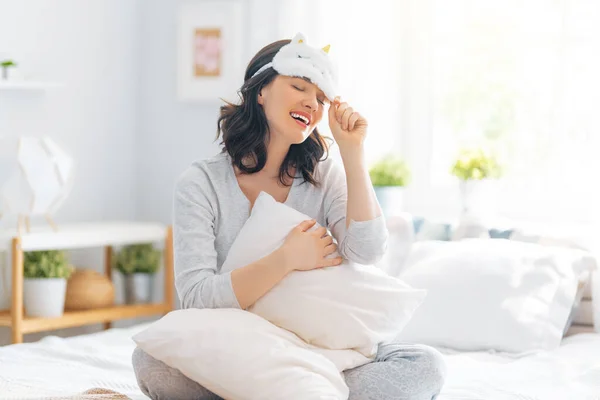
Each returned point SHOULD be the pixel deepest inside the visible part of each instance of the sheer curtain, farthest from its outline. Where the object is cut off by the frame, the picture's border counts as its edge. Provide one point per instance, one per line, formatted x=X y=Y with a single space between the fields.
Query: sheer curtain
x=364 y=42
x=520 y=76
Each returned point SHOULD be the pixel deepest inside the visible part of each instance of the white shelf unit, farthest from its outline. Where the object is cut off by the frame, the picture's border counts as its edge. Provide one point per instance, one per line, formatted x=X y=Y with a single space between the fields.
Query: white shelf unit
x=77 y=236
x=85 y=235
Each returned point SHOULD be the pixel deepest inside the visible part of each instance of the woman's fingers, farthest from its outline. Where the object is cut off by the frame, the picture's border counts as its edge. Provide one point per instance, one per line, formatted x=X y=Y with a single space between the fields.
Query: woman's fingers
x=352 y=120
x=327 y=240
x=331 y=262
x=320 y=232
x=340 y=112
x=305 y=225
x=348 y=112
x=330 y=248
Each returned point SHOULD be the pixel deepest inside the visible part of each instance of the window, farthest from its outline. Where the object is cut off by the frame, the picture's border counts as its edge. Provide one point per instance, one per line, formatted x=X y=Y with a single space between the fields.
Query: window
x=520 y=77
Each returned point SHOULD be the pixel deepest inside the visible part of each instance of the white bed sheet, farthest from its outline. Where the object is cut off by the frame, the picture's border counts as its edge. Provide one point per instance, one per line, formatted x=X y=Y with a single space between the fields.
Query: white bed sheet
x=57 y=366
x=571 y=372
x=63 y=367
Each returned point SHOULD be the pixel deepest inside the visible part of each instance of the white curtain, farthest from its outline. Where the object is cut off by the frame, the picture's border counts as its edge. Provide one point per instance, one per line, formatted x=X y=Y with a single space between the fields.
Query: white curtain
x=521 y=76
x=364 y=39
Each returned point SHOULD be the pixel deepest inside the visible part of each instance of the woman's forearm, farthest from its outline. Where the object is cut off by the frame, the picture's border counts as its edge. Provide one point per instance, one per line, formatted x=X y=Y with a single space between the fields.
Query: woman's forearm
x=362 y=203
x=254 y=280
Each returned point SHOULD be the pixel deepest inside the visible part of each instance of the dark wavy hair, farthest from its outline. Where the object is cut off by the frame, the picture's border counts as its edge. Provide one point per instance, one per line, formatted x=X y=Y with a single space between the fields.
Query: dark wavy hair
x=244 y=129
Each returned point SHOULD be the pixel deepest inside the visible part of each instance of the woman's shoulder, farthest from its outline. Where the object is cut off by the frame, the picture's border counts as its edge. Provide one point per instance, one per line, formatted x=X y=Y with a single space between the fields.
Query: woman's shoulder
x=329 y=169
x=203 y=173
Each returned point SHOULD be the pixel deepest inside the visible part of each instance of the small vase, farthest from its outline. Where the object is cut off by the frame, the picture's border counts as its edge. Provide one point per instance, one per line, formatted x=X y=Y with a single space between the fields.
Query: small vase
x=390 y=199
x=44 y=297
x=139 y=288
x=478 y=197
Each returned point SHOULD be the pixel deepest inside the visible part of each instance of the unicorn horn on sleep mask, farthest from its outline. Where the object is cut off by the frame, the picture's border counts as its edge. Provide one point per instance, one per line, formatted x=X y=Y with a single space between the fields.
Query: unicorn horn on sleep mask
x=299 y=59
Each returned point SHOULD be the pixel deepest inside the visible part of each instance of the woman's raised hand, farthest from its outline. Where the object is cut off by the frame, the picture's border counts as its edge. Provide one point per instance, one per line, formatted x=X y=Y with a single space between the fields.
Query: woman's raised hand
x=348 y=127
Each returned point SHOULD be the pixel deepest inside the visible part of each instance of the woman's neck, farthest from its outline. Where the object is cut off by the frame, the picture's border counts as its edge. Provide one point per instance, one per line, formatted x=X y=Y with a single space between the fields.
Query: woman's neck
x=276 y=153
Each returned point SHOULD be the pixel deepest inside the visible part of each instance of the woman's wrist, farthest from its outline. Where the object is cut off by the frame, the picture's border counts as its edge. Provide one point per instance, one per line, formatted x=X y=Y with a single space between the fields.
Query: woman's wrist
x=352 y=150
x=279 y=260
x=353 y=158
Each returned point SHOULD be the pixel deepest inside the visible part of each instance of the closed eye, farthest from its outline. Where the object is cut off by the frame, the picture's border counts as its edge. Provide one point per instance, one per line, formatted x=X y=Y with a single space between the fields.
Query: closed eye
x=322 y=102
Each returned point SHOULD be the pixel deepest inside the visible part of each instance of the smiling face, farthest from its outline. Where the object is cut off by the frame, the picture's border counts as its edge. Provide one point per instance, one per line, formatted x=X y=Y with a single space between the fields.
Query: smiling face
x=293 y=107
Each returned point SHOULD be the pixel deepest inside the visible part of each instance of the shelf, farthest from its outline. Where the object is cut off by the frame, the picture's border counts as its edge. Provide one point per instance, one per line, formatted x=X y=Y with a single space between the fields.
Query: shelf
x=83 y=235
x=72 y=319
x=73 y=236
x=27 y=85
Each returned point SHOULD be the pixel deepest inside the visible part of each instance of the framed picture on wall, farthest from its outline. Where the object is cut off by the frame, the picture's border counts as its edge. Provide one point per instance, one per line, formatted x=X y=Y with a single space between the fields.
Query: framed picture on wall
x=209 y=50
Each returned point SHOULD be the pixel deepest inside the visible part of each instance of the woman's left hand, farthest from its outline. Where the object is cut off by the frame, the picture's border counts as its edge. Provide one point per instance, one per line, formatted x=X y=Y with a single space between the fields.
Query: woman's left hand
x=348 y=127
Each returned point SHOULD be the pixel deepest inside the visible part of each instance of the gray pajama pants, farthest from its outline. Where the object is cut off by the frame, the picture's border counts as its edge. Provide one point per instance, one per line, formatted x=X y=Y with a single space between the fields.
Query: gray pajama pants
x=399 y=372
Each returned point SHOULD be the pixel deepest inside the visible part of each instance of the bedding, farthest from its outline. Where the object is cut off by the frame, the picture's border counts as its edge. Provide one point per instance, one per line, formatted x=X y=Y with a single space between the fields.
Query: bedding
x=314 y=324
x=56 y=367
x=351 y=306
x=580 y=237
x=493 y=294
x=239 y=355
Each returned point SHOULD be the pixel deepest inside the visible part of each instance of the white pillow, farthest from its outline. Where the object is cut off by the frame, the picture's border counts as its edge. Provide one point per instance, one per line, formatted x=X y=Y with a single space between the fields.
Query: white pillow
x=239 y=355
x=351 y=306
x=492 y=294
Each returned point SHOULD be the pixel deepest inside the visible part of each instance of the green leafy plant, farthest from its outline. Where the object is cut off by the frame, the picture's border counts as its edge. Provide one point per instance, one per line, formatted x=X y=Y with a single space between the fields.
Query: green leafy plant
x=476 y=164
x=390 y=171
x=138 y=258
x=6 y=64
x=46 y=264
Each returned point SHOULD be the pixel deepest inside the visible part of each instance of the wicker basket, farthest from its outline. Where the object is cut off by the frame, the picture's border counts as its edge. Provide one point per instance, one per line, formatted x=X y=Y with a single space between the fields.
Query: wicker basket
x=88 y=289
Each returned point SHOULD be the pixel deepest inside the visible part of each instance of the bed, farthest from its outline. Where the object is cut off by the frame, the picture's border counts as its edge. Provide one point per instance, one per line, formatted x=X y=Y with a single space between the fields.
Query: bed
x=65 y=367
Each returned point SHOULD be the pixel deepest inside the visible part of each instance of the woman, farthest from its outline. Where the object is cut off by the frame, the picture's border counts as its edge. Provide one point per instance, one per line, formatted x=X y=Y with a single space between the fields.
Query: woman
x=271 y=144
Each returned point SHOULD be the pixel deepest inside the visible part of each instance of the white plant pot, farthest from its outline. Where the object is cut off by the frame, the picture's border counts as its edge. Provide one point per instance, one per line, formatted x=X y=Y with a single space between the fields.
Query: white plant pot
x=138 y=288
x=390 y=199
x=44 y=297
x=479 y=197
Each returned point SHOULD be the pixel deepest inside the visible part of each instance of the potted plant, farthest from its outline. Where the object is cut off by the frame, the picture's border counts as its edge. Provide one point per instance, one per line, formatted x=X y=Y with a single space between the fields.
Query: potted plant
x=478 y=171
x=45 y=276
x=6 y=64
x=389 y=175
x=138 y=263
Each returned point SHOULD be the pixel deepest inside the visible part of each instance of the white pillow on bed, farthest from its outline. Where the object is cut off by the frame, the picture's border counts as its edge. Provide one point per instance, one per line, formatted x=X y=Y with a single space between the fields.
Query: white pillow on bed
x=492 y=294
x=239 y=355
x=351 y=306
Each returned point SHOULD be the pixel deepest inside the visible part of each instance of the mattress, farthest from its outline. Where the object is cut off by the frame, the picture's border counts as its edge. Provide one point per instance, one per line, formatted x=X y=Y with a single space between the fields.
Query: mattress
x=56 y=367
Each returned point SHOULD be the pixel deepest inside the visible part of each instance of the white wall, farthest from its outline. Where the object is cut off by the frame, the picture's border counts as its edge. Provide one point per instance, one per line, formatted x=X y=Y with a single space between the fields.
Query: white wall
x=172 y=134
x=91 y=47
x=117 y=112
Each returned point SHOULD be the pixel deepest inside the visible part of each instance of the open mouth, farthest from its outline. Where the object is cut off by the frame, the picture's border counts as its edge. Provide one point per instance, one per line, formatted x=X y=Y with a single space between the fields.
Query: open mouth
x=301 y=119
